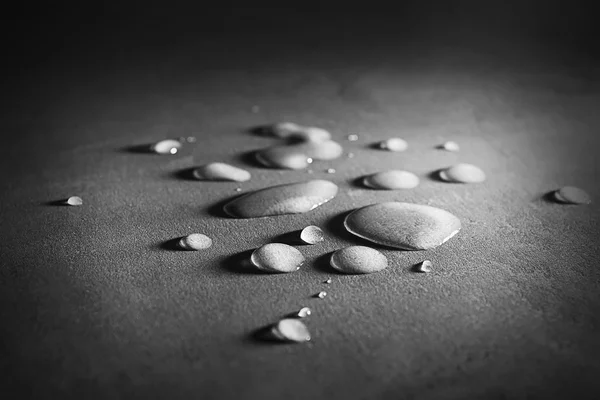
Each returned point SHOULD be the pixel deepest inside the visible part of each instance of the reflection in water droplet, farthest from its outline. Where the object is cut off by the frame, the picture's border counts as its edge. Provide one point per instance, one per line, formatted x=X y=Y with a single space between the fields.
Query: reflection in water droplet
x=451 y=146
x=291 y=330
x=330 y=170
x=195 y=241
x=312 y=235
x=463 y=173
x=321 y=295
x=352 y=138
x=221 y=172
x=358 y=260
x=74 y=201
x=277 y=257
x=403 y=225
x=393 y=144
x=391 y=180
x=304 y=312
x=167 y=146
x=425 y=266
x=572 y=195
x=293 y=198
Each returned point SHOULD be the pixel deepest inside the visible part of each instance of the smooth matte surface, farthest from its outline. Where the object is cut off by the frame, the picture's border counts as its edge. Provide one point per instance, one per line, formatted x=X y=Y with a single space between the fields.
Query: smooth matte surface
x=95 y=303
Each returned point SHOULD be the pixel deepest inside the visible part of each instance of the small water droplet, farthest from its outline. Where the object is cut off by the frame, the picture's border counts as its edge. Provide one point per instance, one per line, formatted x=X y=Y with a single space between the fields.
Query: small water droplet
x=277 y=257
x=191 y=139
x=350 y=155
x=74 y=201
x=304 y=312
x=358 y=260
x=238 y=189
x=173 y=150
x=352 y=138
x=463 y=173
x=424 y=266
x=309 y=160
x=291 y=330
x=330 y=170
x=167 y=146
x=321 y=295
x=393 y=144
x=572 y=195
x=195 y=241
x=285 y=157
x=310 y=171
x=221 y=172
x=312 y=235
x=392 y=180
x=328 y=281
x=451 y=146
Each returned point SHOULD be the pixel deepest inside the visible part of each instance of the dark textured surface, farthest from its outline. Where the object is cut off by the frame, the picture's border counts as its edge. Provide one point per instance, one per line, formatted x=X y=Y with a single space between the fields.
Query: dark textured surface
x=96 y=303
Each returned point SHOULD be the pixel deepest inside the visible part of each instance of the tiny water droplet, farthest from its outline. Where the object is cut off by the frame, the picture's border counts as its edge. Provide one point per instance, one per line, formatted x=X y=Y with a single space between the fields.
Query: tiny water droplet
x=167 y=146
x=310 y=171
x=309 y=160
x=218 y=171
x=312 y=235
x=393 y=144
x=74 y=201
x=572 y=195
x=291 y=330
x=350 y=155
x=195 y=241
x=358 y=260
x=424 y=266
x=392 y=180
x=238 y=189
x=451 y=146
x=330 y=170
x=463 y=173
x=304 y=312
x=173 y=150
x=277 y=257
x=328 y=281
x=191 y=139
x=352 y=138
x=321 y=295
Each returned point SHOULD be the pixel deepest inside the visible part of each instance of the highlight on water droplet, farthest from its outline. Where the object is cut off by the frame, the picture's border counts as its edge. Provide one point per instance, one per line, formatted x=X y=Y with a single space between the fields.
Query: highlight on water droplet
x=167 y=146
x=393 y=144
x=392 y=180
x=291 y=330
x=328 y=281
x=304 y=312
x=424 y=266
x=238 y=189
x=450 y=146
x=572 y=195
x=277 y=257
x=218 y=171
x=330 y=170
x=358 y=260
x=352 y=138
x=463 y=173
x=312 y=235
x=195 y=241
x=74 y=201
x=321 y=295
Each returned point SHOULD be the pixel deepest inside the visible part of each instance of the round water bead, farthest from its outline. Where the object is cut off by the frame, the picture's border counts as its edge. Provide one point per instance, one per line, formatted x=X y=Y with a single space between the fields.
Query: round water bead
x=312 y=235
x=221 y=172
x=424 y=266
x=352 y=138
x=572 y=195
x=392 y=180
x=291 y=330
x=451 y=146
x=304 y=312
x=358 y=260
x=195 y=241
x=321 y=295
x=277 y=257
x=74 y=201
x=393 y=144
x=463 y=173
x=330 y=170
x=167 y=146
x=286 y=157
x=403 y=225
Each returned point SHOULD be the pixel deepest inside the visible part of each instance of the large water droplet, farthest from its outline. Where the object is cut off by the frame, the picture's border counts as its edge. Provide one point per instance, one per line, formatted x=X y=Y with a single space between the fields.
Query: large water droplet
x=195 y=241
x=74 y=201
x=393 y=144
x=277 y=257
x=291 y=330
x=403 y=225
x=572 y=195
x=391 y=180
x=312 y=235
x=304 y=312
x=167 y=146
x=287 y=157
x=293 y=198
x=358 y=260
x=463 y=173
x=221 y=172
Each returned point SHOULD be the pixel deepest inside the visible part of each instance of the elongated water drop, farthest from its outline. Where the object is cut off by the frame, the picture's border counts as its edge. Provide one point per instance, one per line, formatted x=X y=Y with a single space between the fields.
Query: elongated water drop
x=74 y=201
x=358 y=260
x=221 y=172
x=463 y=173
x=451 y=146
x=572 y=195
x=291 y=330
x=286 y=157
x=304 y=312
x=393 y=144
x=352 y=138
x=312 y=235
x=277 y=257
x=195 y=241
x=167 y=146
x=392 y=180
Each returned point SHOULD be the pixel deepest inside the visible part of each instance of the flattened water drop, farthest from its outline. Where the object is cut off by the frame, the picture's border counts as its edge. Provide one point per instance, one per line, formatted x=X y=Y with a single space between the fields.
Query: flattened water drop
x=167 y=146
x=291 y=330
x=358 y=260
x=424 y=266
x=221 y=172
x=451 y=146
x=572 y=195
x=286 y=157
x=287 y=130
x=392 y=180
x=463 y=173
x=304 y=312
x=293 y=198
x=312 y=235
x=195 y=241
x=74 y=201
x=405 y=226
x=393 y=144
x=277 y=257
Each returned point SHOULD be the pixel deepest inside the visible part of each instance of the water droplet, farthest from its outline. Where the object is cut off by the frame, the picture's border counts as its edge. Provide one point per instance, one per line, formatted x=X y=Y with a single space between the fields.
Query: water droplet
x=221 y=172
x=304 y=312
x=309 y=160
x=312 y=235
x=195 y=241
x=291 y=330
x=572 y=195
x=293 y=198
x=424 y=266
x=191 y=139
x=328 y=281
x=393 y=144
x=167 y=146
x=238 y=189
x=403 y=225
x=451 y=146
x=330 y=170
x=277 y=257
x=350 y=155
x=74 y=201
x=352 y=138
x=285 y=157
x=284 y=129
x=391 y=180
x=325 y=150
x=321 y=295
x=463 y=173
x=290 y=130
x=358 y=260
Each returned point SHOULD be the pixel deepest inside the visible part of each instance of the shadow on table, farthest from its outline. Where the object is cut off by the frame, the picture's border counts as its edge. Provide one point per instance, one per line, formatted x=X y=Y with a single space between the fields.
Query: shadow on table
x=239 y=263
x=139 y=149
x=435 y=176
x=216 y=209
x=185 y=174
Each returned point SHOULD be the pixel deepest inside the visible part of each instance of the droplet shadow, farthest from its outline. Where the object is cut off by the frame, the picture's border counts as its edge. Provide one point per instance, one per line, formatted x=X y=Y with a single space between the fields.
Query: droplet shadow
x=549 y=197
x=289 y=238
x=374 y=146
x=239 y=263
x=249 y=158
x=359 y=182
x=435 y=176
x=264 y=335
x=217 y=209
x=139 y=149
x=186 y=174
x=260 y=130
x=55 y=203
x=322 y=263
x=170 y=245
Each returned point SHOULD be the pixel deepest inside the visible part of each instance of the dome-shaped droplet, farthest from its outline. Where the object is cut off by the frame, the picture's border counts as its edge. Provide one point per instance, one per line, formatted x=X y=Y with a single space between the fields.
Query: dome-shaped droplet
x=321 y=295
x=352 y=138
x=358 y=260
x=451 y=146
x=221 y=172
x=195 y=241
x=312 y=235
x=167 y=146
x=287 y=130
x=277 y=257
x=291 y=330
x=572 y=195
x=403 y=225
x=286 y=157
x=304 y=312
x=393 y=144
x=324 y=150
x=74 y=201
x=293 y=198
x=392 y=180
x=284 y=129
x=424 y=266
x=463 y=173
